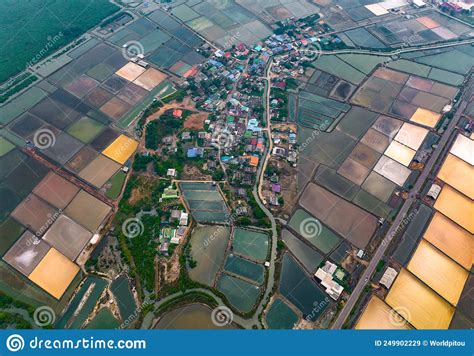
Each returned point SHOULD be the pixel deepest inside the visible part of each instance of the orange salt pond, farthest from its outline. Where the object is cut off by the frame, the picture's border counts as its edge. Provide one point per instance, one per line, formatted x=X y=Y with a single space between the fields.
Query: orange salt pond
x=423 y=308
x=438 y=271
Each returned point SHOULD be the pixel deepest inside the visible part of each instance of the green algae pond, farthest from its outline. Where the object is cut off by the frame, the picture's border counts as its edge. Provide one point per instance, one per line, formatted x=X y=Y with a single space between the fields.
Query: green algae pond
x=104 y=320
x=324 y=241
x=245 y=268
x=241 y=294
x=121 y=289
x=300 y=289
x=208 y=246
x=280 y=316
x=251 y=244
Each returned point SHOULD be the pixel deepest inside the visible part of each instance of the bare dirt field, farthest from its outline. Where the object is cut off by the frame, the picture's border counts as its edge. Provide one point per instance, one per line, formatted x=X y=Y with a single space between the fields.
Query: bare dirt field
x=196 y=120
x=193 y=173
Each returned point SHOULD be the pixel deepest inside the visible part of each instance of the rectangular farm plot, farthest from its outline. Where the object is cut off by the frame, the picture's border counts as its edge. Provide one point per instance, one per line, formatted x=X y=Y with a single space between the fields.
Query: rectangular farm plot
x=402 y=109
x=378 y=186
x=9 y=201
x=251 y=244
x=392 y=170
x=5 y=146
x=375 y=140
x=121 y=149
x=421 y=306
x=354 y=171
x=34 y=213
x=463 y=148
x=377 y=315
x=332 y=181
x=365 y=155
x=98 y=97
x=21 y=174
x=391 y=75
x=430 y=102
x=130 y=71
x=458 y=174
x=150 y=78
x=59 y=110
x=400 y=153
x=425 y=117
x=387 y=125
x=308 y=257
x=452 y=239
x=438 y=271
x=56 y=190
x=132 y=94
x=68 y=237
x=82 y=159
x=87 y=210
x=99 y=171
x=114 y=84
x=115 y=108
x=104 y=139
x=81 y=86
x=85 y=129
x=26 y=125
x=457 y=207
x=358 y=226
x=10 y=230
x=57 y=265
x=411 y=135
x=428 y=22
x=26 y=253
x=64 y=148
x=376 y=9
